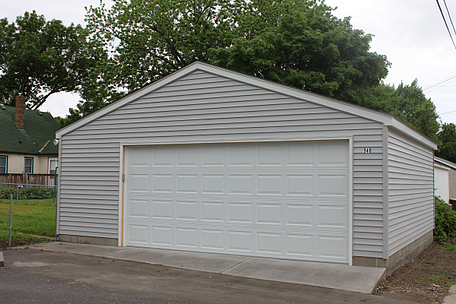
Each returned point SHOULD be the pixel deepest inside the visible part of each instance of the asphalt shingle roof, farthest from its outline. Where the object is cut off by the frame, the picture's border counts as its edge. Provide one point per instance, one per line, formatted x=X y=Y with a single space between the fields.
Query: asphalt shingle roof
x=36 y=138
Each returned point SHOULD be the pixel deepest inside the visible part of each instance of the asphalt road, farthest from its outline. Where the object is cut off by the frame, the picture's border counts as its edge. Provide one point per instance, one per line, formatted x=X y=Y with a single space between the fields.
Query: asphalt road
x=32 y=276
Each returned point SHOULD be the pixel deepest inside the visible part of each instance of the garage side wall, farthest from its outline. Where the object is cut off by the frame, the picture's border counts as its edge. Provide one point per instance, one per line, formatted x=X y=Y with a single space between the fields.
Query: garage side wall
x=411 y=193
x=206 y=108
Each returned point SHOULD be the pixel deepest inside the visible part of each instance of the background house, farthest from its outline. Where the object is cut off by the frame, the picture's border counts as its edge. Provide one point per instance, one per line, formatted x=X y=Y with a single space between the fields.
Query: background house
x=27 y=140
x=444 y=178
x=210 y=160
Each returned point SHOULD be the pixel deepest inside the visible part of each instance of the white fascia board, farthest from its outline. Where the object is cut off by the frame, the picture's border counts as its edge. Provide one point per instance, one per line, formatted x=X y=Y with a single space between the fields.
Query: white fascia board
x=440 y=166
x=444 y=162
x=384 y=118
x=408 y=130
x=380 y=117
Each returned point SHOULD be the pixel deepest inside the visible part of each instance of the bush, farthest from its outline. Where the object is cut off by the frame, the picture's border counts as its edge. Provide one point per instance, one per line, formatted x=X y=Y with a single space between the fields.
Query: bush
x=445 y=221
x=27 y=193
x=5 y=193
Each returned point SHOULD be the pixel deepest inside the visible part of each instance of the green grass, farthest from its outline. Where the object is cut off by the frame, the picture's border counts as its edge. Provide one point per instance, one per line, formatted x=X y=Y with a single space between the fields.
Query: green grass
x=441 y=280
x=30 y=217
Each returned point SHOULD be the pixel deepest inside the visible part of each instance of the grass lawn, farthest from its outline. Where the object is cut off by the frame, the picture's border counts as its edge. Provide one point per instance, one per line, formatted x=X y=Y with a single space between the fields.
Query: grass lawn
x=31 y=219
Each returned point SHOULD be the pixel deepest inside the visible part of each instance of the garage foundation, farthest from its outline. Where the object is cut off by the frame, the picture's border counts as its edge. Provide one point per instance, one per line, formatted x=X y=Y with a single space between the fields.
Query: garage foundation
x=399 y=258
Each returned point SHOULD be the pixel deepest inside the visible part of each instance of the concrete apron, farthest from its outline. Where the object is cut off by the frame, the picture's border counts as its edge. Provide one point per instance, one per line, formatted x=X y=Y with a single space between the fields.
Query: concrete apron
x=336 y=276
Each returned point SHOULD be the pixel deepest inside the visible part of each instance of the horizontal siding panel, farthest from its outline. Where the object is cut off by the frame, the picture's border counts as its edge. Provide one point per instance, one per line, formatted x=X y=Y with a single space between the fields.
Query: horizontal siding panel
x=371 y=254
x=368 y=223
x=410 y=189
x=88 y=231
x=370 y=242
x=201 y=107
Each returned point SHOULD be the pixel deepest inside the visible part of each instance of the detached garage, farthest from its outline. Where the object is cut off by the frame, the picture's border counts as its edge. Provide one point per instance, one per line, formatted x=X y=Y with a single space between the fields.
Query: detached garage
x=210 y=160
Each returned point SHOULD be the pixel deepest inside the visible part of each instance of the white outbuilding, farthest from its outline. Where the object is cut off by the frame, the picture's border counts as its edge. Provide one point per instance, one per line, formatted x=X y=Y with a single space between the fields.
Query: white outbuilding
x=210 y=160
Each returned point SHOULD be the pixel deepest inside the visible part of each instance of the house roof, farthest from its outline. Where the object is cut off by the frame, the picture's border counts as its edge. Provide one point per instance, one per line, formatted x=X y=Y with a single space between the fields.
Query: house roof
x=387 y=119
x=36 y=138
x=444 y=162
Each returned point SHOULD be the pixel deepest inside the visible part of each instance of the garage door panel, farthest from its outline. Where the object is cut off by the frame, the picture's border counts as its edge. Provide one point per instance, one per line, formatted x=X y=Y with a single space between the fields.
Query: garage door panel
x=300 y=155
x=162 y=236
x=187 y=210
x=212 y=211
x=161 y=157
x=300 y=215
x=333 y=185
x=300 y=245
x=241 y=156
x=300 y=185
x=162 y=183
x=241 y=184
x=240 y=241
x=240 y=213
x=269 y=184
x=212 y=239
x=269 y=214
x=139 y=183
x=139 y=209
x=213 y=183
x=271 y=200
x=186 y=237
x=162 y=209
x=335 y=216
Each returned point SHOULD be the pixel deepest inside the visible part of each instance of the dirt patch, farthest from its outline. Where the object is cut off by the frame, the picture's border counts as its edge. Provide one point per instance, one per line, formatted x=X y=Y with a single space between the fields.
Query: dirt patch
x=426 y=279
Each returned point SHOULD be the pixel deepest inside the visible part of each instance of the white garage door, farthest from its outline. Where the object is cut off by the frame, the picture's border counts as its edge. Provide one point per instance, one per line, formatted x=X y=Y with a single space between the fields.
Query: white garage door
x=283 y=200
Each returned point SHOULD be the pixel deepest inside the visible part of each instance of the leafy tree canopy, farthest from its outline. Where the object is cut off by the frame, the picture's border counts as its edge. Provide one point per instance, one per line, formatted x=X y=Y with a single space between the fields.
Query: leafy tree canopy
x=447 y=139
x=39 y=58
x=407 y=102
x=294 y=42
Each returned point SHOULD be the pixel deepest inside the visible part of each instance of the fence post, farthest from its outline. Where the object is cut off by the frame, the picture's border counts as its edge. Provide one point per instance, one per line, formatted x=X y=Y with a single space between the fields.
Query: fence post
x=11 y=221
x=55 y=200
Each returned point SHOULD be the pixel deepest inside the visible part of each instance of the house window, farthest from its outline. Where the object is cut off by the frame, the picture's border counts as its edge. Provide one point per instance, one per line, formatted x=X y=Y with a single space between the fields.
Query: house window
x=28 y=165
x=52 y=165
x=3 y=164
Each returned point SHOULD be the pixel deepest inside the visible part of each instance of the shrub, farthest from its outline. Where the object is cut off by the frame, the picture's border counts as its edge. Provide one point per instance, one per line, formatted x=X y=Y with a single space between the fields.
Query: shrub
x=27 y=193
x=445 y=221
x=5 y=193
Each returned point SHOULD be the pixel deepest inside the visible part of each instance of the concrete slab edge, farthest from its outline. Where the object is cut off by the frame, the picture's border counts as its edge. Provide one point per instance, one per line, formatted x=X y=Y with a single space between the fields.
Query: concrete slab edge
x=223 y=272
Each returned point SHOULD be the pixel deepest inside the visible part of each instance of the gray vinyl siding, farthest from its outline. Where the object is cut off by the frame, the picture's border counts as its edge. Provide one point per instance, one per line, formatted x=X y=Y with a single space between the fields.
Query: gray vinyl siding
x=410 y=191
x=203 y=108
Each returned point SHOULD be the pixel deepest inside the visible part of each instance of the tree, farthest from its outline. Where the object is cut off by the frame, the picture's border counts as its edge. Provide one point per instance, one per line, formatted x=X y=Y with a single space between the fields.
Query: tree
x=39 y=58
x=447 y=146
x=294 y=42
x=300 y=43
x=407 y=102
x=149 y=39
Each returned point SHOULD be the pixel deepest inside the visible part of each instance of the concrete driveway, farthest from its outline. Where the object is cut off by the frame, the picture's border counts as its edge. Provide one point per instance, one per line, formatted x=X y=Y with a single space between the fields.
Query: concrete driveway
x=74 y=273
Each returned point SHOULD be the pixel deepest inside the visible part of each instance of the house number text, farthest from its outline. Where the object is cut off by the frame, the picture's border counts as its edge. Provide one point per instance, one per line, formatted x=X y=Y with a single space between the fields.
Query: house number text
x=367 y=150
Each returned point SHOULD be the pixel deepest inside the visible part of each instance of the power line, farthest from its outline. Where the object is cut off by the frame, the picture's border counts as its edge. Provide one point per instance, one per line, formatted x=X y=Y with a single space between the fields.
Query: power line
x=440 y=82
x=446 y=24
x=449 y=15
x=448 y=112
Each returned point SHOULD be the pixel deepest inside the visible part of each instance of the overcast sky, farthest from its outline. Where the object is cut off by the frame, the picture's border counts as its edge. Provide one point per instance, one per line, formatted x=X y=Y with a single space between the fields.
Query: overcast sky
x=411 y=33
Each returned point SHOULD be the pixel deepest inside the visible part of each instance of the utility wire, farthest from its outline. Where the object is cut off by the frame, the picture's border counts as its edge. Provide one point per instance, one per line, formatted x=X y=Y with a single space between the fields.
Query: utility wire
x=448 y=112
x=446 y=24
x=439 y=83
x=449 y=15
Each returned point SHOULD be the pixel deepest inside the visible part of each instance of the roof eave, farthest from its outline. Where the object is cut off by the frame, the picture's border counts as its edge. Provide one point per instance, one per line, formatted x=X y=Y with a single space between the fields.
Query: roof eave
x=380 y=117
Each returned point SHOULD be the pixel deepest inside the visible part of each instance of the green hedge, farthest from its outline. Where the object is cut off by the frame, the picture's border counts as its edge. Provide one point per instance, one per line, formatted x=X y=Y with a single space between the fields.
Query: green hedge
x=27 y=193
x=445 y=221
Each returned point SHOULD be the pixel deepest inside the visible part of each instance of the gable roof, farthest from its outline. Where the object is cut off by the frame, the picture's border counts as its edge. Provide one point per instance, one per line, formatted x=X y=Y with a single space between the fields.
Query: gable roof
x=386 y=119
x=37 y=136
